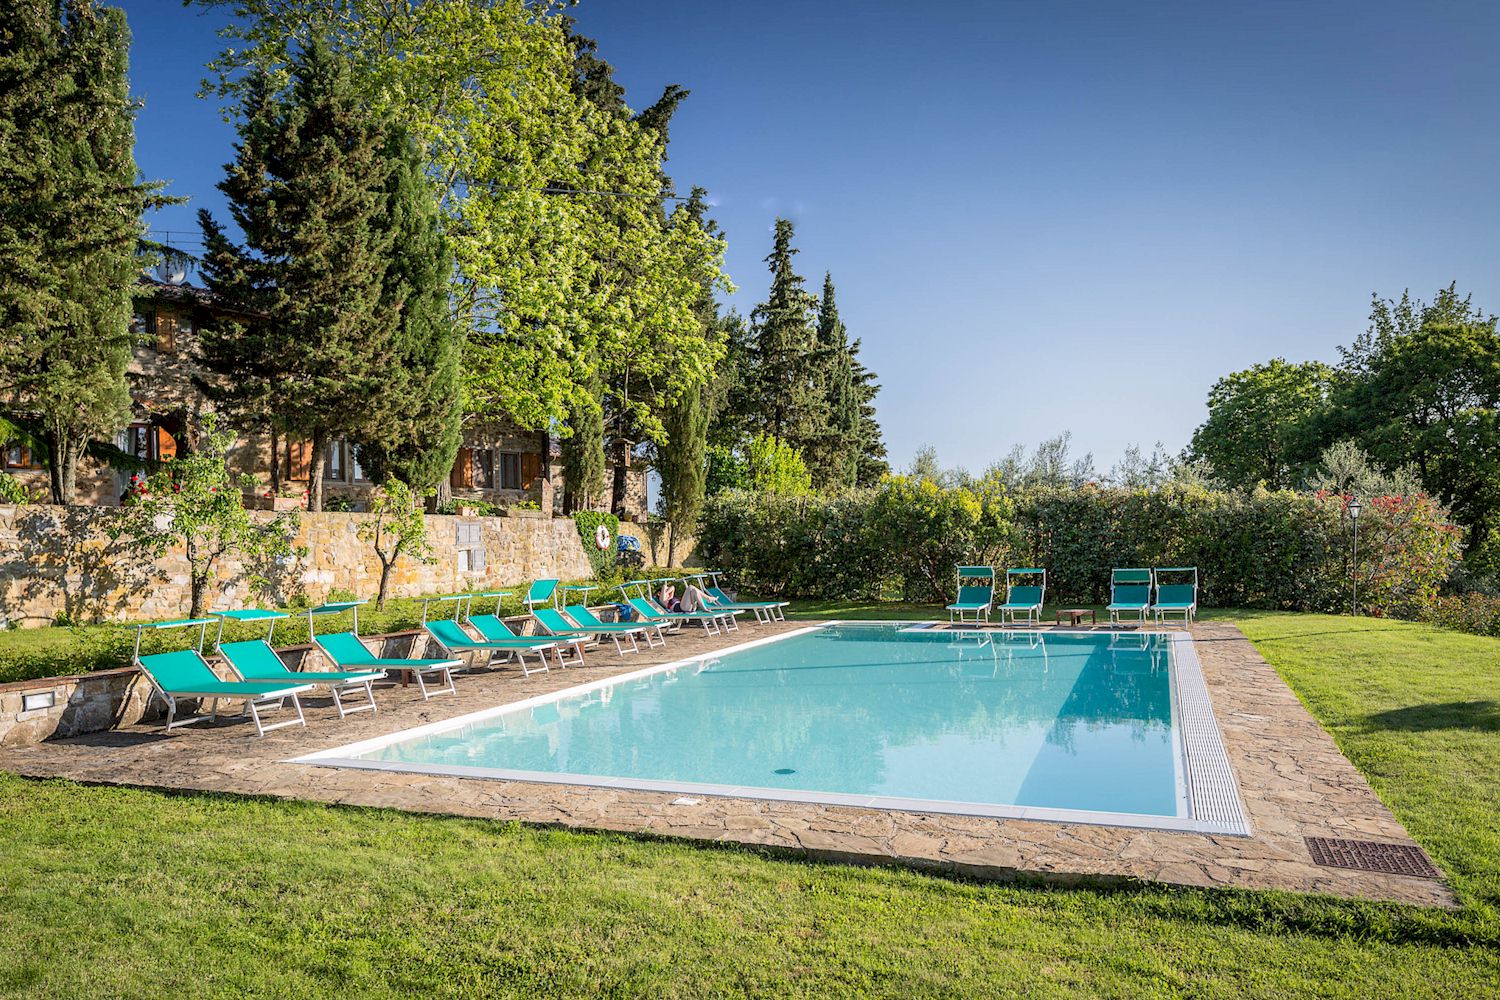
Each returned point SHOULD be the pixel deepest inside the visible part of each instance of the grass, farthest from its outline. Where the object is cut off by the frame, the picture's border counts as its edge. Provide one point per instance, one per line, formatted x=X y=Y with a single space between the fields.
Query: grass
x=26 y=653
x=136 y=893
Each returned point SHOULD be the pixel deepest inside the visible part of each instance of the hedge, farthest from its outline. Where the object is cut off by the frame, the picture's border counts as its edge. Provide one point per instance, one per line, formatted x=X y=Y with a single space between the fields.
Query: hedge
x=1277 y=550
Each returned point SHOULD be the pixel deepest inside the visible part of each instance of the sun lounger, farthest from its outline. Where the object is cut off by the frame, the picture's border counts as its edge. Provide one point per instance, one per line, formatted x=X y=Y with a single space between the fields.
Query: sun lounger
x=976 y=595
x=1176 y=598
x=1129 y=593
x=186 y=675
x=455 y=641
x=1023 y=601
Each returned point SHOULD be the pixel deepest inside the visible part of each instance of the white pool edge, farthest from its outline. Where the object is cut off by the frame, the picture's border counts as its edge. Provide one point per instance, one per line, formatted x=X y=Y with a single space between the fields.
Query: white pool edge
x=1213 y=795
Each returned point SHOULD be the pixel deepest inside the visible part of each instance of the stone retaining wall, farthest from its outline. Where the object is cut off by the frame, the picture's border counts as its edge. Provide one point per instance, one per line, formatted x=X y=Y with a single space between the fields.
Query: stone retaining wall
x=61 y=561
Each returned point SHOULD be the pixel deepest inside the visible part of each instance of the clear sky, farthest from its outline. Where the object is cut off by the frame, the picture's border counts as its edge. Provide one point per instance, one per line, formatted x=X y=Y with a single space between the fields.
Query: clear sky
x=1042 y=216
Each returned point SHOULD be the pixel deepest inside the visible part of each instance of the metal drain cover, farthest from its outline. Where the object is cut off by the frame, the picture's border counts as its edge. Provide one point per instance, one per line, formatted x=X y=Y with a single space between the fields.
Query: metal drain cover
x=786 y=770
x=1372 y=856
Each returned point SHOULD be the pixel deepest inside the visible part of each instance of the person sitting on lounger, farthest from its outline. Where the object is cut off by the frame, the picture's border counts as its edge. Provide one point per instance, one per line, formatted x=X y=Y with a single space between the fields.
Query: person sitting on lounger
x=667 y=598
x=694 y=599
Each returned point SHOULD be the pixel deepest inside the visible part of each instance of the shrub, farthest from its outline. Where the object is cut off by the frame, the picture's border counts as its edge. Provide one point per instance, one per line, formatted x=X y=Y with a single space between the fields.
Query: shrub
x=1261 y=549
x=1476 y=613
x=603 y=560
x=12 y=491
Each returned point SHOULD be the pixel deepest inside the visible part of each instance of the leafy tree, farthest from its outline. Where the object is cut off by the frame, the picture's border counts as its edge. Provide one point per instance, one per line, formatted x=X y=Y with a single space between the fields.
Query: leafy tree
x=773 y=466
x=1344 y=468
x=544 y=190
x=397 y=528
x=193 y=502
x=726 y=470
x=309 y=189
x=70 y=209
x=1257 y=423
x=423 y=425
x=1429 y=399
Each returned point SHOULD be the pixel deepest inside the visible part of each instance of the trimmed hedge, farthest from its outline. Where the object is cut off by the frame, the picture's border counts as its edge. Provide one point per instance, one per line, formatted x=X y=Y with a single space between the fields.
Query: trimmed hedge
x=1277 y=550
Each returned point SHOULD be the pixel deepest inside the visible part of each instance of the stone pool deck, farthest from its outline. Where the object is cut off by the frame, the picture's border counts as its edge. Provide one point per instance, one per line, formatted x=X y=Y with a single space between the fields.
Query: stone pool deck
x=1293 y=780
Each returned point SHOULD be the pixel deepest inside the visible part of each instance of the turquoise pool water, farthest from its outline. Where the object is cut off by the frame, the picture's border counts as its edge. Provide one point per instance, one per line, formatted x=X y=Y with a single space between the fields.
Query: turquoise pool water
x=1075 y=721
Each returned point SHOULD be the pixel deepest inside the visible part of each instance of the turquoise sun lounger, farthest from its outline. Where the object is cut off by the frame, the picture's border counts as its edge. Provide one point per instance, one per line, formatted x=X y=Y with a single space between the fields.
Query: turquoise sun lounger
x=455 y=641
x=1023 y=601
x=976 y=595
x=765 y=612
x=185 y=675
x=347 y=651
x=1129 y=593
x=1176 y=598
x=256 y=660
x=492 y=628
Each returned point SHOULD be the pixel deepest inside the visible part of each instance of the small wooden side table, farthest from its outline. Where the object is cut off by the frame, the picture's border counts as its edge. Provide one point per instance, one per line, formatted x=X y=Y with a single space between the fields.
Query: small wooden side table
x=1075 y=616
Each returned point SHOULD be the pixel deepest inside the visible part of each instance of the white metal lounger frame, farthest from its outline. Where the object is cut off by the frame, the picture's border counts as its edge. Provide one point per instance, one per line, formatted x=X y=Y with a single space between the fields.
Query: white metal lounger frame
x=766 y=612
x=443 y=670
x=1144 y=610
x=558 y=650
x=981 y=615
x=462 y=605
x=1033 y=612
x=252 y=704
x=1189 y=613
x=710 y=620
x=335 y=688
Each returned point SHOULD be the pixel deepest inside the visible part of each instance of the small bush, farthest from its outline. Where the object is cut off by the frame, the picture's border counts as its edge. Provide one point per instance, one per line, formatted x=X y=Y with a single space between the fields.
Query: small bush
x=1476 y=613
x=603 y=560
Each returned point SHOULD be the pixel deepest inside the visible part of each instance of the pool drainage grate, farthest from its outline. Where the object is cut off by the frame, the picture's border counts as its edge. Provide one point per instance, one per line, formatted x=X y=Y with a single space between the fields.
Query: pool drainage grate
x=1372 y=856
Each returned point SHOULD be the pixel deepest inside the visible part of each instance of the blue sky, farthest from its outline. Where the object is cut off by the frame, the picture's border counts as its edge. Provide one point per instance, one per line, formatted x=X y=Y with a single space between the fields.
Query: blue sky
x=1040 y=217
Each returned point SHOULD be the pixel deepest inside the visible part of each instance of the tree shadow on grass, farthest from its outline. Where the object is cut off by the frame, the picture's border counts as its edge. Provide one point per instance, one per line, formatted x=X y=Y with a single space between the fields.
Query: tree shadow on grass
x=1445 y=715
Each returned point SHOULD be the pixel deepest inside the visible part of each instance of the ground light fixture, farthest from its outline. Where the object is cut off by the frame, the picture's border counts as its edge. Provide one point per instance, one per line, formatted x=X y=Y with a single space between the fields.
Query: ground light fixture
x=1354 y=509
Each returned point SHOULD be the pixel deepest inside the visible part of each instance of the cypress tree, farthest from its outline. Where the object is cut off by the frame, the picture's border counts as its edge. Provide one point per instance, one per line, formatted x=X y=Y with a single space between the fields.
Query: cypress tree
x=871 y=461
x=788 y=385
x=835 y=458
x=423 y=430
x=583 y=451
x=70 y=229
x=309 y=190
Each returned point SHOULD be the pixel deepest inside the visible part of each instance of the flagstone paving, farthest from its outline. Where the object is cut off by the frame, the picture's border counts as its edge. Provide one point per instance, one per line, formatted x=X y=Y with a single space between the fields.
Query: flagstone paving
x=1293 y=780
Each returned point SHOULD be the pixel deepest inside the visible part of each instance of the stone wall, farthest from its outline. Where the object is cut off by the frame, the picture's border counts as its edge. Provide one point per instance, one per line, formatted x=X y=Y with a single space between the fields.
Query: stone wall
x=61 y=561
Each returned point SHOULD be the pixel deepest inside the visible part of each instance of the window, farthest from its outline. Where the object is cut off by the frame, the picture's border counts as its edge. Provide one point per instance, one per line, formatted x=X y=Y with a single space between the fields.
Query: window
x=143 y=326
x=355 y=467
x=18 y=456
x=334 y=469
x=484 y=469
x=140 y=442
x=510 y=470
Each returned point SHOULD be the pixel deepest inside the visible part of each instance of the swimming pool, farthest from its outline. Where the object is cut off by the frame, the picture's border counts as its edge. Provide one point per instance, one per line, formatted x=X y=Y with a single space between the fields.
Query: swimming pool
x=1103 y=727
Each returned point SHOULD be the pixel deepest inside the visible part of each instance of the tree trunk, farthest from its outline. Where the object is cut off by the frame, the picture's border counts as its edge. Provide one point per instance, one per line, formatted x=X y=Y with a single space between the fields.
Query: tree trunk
x=621 y=478
x=385 y=581
x=443 y=496
x=199 y=584
x=62 y=466
x=275 y=462
x=671 y=543
x=315 y=464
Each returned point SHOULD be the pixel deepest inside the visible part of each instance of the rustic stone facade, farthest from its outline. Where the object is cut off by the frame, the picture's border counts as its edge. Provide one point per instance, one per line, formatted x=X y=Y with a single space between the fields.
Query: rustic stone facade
x=500 y=464
x=62 y=561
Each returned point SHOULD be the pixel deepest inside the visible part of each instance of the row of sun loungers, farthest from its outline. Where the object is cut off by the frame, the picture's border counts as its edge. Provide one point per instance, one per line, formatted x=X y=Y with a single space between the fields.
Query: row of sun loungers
x=265 y=682
x=1138 y=592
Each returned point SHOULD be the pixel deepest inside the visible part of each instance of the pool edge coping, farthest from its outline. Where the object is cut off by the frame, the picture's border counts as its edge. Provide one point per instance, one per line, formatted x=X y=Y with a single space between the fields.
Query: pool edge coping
x=1207 y=767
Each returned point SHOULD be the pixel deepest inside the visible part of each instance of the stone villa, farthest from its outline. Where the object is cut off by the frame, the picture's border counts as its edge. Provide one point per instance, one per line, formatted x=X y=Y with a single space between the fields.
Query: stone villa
x=499 y=463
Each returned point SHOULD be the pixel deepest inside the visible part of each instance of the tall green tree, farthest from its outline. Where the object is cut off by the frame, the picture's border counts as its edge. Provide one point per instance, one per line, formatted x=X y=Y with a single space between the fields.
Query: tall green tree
x=70 y=224
x=835 y=457
x=871 y=463
x=545 y=193
x=1258 y=420
x=583 y=450
x=787 y=376
x=309 y=188
x=422 y=429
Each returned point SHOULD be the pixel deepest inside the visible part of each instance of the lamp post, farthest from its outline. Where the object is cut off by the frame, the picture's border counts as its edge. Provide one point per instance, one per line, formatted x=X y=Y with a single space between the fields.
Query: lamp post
x=1354 y=517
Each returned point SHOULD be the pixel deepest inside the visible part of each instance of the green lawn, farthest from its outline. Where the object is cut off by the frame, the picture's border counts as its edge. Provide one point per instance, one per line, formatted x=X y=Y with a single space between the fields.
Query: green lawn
x=115 y=892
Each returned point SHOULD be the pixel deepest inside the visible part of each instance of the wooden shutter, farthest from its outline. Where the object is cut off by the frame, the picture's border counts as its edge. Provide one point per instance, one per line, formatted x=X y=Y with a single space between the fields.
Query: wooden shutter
x=299 y=459
x=166 y=444
x=531 y=469
x=462 y=476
